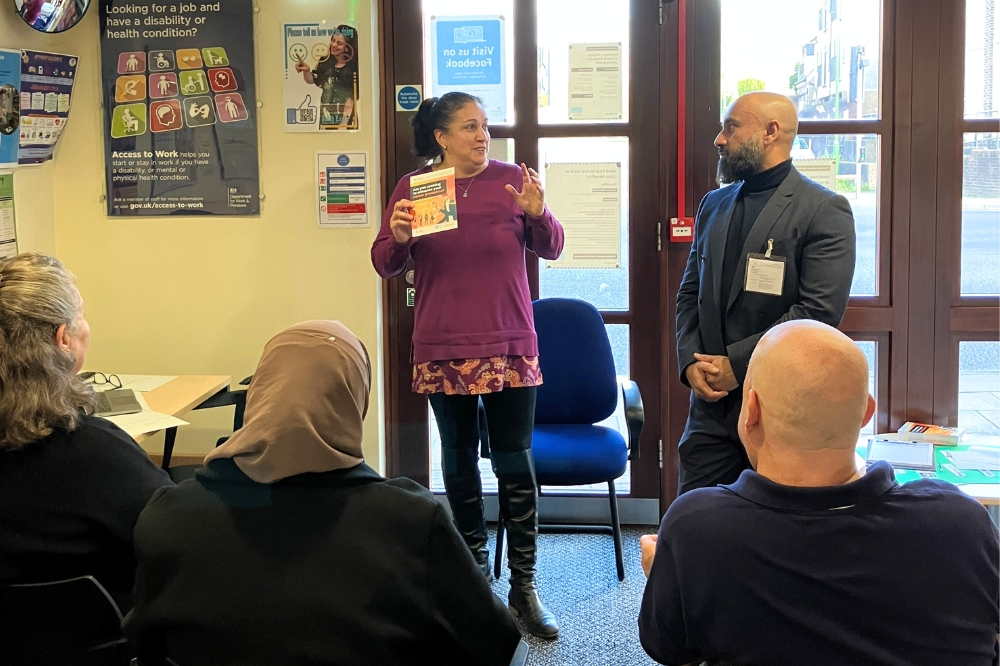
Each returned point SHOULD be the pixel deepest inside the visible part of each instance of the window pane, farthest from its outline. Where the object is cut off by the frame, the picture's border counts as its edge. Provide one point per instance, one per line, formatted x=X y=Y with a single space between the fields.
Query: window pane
x=583 y=58
x=591 y=239
x=981 y=215
x=470 y=48
x=824 y=54
x=502 y=149
x=982 y=43
x=849 y=164
x=979 y=387
x=868 y=347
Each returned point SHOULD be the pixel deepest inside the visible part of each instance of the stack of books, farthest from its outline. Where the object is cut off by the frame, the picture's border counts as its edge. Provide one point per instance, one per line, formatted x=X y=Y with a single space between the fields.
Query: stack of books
x=923 y=432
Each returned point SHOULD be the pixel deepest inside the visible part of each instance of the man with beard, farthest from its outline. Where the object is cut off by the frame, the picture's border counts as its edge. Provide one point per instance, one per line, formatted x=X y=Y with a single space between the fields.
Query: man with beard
x=770 y=246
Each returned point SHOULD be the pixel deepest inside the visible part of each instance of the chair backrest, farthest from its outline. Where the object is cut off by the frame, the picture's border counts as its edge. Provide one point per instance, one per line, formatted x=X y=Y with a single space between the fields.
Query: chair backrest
x=579 y=384
x=60 y=622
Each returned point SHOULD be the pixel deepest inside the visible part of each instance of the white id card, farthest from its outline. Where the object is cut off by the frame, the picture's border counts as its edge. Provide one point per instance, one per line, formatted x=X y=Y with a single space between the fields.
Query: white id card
x=765 y=274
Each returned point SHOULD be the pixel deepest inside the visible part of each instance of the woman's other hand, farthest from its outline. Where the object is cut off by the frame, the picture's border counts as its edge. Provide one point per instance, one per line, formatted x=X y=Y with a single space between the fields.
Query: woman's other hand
x=401 y=221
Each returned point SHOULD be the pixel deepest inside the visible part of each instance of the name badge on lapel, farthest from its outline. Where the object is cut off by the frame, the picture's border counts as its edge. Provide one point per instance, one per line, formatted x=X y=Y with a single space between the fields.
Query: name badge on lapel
x=765 y=274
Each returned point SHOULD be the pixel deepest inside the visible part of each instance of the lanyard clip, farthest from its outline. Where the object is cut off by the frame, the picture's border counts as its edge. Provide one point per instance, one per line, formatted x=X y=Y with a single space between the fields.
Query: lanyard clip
x=770 y=246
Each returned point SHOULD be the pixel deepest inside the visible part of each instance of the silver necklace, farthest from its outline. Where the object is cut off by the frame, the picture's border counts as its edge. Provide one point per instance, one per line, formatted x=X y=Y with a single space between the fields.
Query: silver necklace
x=465 y=194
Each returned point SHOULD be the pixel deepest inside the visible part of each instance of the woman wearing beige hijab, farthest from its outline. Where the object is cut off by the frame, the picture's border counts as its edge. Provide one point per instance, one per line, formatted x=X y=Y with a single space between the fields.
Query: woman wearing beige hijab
x=286 y=548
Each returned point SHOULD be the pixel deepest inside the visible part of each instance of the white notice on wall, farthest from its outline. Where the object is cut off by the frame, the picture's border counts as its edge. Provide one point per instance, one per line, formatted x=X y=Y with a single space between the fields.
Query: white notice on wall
x=587 y=199
x=8 y=223
x=823 y=171
x=595 y=81
x=342 y=186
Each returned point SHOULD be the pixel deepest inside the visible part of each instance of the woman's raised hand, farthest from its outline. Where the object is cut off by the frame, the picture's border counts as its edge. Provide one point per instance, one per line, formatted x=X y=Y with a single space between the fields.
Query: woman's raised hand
x=531 y=198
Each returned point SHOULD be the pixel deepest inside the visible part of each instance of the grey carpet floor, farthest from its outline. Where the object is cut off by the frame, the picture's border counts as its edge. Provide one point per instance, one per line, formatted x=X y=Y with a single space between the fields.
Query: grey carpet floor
x=597 y=614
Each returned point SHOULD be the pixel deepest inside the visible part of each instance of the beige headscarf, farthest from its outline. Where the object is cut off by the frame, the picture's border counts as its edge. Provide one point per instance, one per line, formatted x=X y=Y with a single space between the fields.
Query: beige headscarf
x=306 y=405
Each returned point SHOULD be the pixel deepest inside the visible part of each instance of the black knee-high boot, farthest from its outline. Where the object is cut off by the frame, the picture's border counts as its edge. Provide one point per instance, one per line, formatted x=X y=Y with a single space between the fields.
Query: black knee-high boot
x=518 y=507
x=465 y=495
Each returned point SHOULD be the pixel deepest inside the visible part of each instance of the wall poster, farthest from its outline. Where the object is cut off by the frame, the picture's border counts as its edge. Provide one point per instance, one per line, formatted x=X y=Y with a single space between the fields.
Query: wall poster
x=10 y=106
x=8 y=220
x=586 y=198
x=342 y=186
x=46 y=91
x=321 y=76
x=467 y=55
x=180 y=113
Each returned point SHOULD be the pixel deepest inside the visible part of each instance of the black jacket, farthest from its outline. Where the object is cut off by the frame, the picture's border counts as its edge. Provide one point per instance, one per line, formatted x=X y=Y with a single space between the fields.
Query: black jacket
x=341 y=568
x=812 y=228
x=69 y=503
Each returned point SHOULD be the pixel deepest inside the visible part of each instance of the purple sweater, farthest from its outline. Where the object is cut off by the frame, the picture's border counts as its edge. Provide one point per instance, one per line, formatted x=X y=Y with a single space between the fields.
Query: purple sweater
x=472 y=296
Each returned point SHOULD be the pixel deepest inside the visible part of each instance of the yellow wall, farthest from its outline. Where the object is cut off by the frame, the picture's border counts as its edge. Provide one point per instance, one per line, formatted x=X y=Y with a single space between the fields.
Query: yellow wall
x=201 y=295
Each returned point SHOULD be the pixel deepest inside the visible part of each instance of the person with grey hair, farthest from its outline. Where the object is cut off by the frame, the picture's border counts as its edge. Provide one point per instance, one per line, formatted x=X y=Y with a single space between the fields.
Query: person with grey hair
x=71 y=485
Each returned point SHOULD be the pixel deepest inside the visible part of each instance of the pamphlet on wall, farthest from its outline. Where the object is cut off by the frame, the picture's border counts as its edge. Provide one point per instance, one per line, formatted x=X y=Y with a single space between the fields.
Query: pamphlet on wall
x=342 y=183
x=8 y=222
x=435 y=207
x=321 y=90
x=595 y=81
x=46 y=91
x=10 y=105
x=587 y=199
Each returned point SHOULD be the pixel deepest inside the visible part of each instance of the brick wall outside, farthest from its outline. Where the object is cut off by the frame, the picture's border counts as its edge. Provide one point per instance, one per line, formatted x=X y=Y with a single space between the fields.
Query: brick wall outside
x=982 y=173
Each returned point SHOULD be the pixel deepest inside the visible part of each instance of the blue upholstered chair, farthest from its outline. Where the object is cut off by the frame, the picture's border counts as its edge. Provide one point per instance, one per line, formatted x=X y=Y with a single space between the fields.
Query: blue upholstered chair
x=579 y=389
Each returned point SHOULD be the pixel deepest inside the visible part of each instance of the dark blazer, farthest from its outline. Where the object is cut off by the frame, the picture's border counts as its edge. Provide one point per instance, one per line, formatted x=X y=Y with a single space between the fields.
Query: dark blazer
x=812 y=227
x=341 y=568
x=69 y=503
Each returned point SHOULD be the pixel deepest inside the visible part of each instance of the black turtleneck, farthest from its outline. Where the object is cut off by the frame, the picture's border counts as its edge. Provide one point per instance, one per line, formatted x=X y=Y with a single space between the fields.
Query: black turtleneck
x=754 y=194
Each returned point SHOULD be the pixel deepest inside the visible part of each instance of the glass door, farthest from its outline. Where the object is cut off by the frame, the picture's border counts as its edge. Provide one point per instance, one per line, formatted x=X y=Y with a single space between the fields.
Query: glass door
x=557 y=79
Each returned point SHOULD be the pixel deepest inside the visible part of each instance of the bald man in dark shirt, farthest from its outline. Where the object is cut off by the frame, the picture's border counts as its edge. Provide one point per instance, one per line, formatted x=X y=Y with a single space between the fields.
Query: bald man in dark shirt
x=809 y=558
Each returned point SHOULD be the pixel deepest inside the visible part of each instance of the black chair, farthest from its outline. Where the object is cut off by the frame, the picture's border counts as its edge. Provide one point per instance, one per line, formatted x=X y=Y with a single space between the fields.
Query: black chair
x=72 y=622
x=224 y=398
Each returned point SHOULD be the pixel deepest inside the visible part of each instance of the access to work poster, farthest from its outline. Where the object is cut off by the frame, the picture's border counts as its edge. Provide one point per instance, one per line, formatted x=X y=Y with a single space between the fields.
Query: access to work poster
x=180 y=114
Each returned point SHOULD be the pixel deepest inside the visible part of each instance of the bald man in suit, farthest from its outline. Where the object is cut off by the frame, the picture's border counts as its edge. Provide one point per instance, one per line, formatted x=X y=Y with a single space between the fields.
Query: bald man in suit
x=769 y=246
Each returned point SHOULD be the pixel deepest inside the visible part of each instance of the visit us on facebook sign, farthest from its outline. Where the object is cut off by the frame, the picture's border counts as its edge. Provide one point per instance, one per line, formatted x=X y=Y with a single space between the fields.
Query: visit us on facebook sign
x=468 y=56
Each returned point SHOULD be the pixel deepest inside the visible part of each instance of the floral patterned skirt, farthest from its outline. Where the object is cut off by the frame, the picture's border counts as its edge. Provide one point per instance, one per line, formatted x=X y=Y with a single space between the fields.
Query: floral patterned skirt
x=475 y=376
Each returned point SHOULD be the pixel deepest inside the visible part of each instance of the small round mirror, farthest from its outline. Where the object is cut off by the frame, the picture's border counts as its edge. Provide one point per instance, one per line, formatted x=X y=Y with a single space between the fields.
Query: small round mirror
x=51 y=15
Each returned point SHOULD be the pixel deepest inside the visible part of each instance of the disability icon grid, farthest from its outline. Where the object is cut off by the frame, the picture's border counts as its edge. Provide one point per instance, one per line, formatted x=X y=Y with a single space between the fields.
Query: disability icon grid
x=165 y=91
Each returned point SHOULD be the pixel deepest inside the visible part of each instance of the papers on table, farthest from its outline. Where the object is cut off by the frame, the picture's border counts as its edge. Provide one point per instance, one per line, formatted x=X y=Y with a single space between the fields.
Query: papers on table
x=976 y=457
x=145 y=421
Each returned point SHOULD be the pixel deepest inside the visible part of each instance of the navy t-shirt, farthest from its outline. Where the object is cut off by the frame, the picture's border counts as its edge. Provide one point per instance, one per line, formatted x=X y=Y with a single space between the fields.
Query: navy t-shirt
x=870 y=572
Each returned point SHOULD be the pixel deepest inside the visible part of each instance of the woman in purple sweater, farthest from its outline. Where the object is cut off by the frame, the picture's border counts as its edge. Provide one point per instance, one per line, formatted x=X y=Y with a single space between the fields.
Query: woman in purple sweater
x=474 y=334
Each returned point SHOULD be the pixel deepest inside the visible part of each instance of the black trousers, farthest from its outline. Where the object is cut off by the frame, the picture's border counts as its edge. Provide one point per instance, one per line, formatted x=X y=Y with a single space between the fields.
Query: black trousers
x=710 y=450
x=510 y=417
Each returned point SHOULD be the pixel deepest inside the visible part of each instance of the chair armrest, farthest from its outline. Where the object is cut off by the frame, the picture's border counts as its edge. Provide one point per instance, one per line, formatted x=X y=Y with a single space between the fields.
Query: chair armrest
x=520 y=657
x=634 y=416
